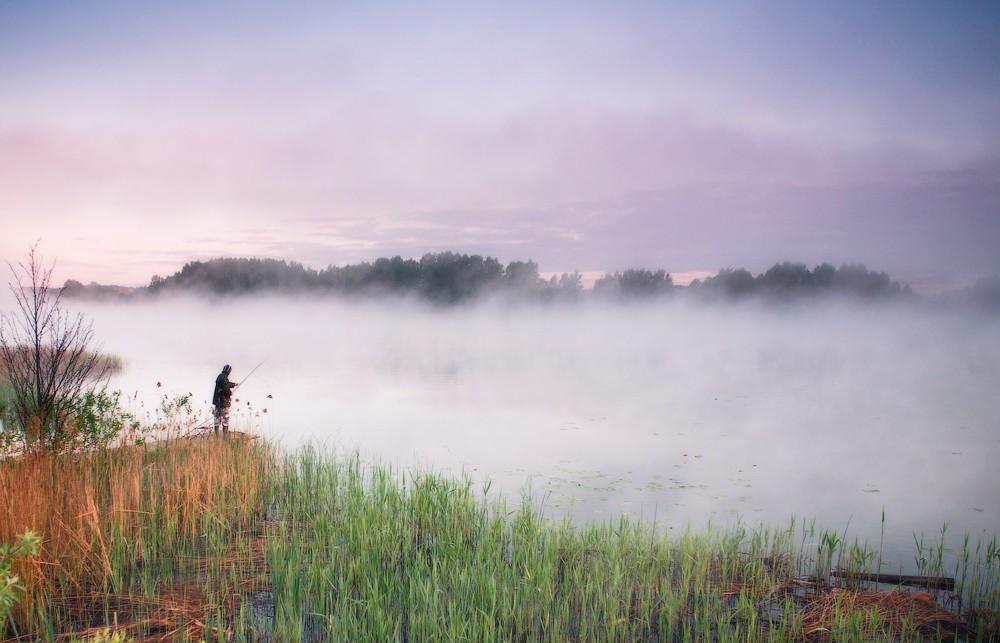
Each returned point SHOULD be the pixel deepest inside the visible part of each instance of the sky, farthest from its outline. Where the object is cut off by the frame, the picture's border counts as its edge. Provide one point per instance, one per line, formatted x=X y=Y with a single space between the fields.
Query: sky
x=136 y=136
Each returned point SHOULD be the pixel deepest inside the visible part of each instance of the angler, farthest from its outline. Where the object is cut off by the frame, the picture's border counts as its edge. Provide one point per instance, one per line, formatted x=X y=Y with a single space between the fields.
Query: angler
x=221 y=398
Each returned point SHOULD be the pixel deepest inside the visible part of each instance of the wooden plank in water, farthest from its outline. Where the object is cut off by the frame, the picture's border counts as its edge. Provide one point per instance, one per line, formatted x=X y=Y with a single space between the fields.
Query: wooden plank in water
x=930 y=582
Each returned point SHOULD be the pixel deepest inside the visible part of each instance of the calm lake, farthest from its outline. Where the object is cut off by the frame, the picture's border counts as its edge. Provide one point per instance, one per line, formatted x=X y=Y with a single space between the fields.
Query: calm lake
x=671 y=412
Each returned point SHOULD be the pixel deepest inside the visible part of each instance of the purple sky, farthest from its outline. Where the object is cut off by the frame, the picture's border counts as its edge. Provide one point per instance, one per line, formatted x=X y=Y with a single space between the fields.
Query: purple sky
x=135 y=136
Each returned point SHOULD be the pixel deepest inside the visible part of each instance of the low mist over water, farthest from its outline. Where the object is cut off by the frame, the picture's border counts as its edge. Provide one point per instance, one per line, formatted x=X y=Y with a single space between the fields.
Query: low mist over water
x=676 y=411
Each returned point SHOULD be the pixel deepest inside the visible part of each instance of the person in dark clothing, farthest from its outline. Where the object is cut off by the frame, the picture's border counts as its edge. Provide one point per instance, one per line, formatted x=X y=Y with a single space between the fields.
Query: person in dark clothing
x=221 y=398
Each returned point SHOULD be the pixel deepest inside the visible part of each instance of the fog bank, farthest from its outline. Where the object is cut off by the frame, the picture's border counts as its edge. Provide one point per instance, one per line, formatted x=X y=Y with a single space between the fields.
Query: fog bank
x=671 y=410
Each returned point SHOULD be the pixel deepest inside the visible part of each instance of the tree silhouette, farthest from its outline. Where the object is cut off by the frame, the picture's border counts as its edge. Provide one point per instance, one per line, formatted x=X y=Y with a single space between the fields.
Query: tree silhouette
x=450 y=278
x=45 y=355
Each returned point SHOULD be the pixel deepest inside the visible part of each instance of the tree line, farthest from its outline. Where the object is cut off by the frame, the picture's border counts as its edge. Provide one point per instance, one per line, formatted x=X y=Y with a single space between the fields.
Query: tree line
x=449 y=277
x=790 y=279
x=445 y=277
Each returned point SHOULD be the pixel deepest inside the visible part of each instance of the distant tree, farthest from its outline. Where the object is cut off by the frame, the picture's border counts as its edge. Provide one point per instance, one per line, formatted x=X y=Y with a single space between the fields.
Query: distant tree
x=45 y=355
x=729 y=282
x=448 y=277
x=522 y=276
x=570 y=285
x=607 y=284
x=823 y=275
x=788 y=280
x=234 y=276
x=396 y=274
x=856 y=279
x=566 y=286
x=634 y=283
x=645 y=283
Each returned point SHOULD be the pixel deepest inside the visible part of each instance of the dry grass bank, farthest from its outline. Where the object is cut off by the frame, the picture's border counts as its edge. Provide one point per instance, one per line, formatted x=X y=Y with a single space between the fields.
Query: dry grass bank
x=121 y=527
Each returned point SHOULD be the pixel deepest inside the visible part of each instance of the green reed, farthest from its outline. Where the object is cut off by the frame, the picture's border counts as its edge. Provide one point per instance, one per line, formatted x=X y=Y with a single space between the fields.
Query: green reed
x=311 y=545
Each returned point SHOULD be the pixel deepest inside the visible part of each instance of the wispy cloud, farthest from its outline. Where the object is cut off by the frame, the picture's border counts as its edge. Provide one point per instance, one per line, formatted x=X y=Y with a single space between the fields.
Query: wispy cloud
x=590 y=139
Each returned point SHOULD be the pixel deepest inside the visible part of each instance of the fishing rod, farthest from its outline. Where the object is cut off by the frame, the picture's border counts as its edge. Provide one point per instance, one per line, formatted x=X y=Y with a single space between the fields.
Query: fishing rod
x=210 y=426
x=251 y=372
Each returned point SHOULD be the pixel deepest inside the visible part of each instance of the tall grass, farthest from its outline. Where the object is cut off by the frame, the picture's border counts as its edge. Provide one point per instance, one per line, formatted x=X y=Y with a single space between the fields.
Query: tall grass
x=123 y=528
x=367 y=553
x=229 y=540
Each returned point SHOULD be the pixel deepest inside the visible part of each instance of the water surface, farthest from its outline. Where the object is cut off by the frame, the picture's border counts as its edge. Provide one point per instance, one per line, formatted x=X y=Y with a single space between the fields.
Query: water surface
x=673 y=412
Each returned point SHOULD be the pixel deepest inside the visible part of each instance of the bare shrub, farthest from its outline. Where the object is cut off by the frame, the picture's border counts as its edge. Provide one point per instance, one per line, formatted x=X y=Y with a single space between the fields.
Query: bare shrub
x=46 y=357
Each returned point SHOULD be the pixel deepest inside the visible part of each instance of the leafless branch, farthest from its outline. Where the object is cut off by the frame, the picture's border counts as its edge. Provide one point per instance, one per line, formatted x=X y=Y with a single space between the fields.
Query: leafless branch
x=46 y=354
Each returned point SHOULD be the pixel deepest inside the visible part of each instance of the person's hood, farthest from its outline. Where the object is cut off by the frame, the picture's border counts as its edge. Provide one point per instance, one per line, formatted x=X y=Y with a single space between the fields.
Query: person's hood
x=227 y=369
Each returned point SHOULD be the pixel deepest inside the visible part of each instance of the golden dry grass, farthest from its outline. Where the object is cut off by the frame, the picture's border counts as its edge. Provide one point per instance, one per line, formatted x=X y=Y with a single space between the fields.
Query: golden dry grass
x=890 y=611
x=100 y=514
